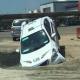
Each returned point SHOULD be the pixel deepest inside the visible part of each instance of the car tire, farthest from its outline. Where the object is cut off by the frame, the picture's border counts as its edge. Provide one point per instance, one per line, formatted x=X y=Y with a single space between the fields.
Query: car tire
x=47 y=62
x=14 y=38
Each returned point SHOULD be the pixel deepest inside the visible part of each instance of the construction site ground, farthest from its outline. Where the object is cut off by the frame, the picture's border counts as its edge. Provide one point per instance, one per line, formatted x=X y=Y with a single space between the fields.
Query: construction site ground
x=10 y=68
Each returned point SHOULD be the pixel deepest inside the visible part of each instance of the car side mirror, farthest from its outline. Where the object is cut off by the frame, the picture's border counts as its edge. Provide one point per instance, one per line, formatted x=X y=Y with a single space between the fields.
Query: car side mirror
x=53 y=35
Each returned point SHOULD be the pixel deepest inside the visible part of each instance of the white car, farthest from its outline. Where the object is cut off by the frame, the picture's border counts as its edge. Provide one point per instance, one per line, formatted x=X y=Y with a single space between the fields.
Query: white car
x=39 y=43
x=16 y=27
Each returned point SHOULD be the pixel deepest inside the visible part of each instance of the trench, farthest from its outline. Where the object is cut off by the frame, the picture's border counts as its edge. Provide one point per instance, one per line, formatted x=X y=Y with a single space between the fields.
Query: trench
x=9 y=59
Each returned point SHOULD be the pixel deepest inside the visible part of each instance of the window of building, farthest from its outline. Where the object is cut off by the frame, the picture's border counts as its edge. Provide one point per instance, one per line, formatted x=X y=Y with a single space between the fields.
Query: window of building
x=47 y=10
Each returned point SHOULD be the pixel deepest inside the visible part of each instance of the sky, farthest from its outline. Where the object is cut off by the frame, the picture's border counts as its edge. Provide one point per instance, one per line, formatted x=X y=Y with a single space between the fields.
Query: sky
x=19 y=6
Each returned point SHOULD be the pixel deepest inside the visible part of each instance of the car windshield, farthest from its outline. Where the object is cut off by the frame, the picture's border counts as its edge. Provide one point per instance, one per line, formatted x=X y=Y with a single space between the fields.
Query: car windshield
x=18 y=23
x=34 y=42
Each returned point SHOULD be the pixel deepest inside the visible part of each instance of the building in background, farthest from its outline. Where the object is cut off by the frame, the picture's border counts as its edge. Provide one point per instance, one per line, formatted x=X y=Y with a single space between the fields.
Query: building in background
x=78 y=5
x=34 y=11
x=59 y=6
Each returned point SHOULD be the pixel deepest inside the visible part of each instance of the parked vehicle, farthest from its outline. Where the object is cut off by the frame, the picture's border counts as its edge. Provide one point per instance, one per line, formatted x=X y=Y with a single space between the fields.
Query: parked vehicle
x=16 y=28
x=39 y=43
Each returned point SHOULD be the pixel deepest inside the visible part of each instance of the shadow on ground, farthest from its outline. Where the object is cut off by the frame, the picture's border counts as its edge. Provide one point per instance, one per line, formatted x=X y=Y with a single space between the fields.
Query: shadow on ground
x=9 y=59
x=62 y=50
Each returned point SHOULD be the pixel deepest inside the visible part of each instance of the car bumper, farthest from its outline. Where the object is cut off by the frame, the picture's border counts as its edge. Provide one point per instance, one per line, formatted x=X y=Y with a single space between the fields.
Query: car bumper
x=58 y=59
x=24 y=64
x=15 y=35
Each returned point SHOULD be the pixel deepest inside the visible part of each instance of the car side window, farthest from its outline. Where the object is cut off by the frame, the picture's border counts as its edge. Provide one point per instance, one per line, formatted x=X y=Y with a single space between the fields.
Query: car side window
x=47 y=26
x=55 y=30
x=53 y=27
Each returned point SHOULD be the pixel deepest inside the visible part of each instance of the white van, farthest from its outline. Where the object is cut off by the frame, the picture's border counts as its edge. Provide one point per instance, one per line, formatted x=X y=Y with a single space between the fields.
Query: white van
x=39 y=44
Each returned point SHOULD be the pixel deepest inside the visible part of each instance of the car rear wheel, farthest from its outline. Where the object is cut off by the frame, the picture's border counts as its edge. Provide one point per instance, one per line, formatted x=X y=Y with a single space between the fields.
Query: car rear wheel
x=14 y=38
